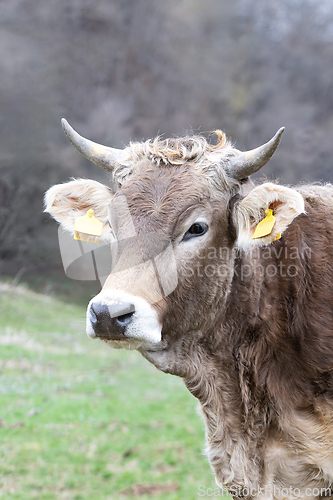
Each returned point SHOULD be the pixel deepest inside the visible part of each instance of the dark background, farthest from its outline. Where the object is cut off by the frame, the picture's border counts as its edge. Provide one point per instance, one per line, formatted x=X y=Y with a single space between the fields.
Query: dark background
x=122 y=70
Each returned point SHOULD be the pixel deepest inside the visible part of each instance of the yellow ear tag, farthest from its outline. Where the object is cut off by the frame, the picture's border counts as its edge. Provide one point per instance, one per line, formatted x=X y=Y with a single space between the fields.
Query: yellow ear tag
x=264 y=228
x=88 y=225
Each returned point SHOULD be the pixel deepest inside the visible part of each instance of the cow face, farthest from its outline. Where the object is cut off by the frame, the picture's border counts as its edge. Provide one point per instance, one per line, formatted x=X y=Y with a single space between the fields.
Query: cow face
x=173 y=230
x=170 y=222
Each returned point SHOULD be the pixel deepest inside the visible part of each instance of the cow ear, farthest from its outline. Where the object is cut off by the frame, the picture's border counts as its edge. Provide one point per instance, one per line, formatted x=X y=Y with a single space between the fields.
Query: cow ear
x=66 y=202
x=286 y=204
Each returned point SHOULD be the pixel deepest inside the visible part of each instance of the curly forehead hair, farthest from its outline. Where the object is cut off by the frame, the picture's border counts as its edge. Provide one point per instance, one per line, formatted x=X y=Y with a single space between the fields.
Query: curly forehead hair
x=178 y=150
x=195 y=150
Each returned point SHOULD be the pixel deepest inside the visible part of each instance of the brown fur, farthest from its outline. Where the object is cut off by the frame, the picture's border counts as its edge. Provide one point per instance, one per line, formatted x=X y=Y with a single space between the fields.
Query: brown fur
x=256 y=349
x=258 y=352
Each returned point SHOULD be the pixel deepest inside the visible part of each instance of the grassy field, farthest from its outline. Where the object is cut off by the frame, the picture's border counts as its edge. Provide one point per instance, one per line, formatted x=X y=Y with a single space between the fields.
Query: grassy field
x=79 y=420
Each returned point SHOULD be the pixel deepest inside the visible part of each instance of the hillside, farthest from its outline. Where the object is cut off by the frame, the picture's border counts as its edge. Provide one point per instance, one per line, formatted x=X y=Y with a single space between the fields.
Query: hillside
x=79 y=420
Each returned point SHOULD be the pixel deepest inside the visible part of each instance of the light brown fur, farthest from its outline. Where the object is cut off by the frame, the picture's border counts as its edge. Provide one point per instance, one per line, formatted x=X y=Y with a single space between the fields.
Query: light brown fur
x=255 y=349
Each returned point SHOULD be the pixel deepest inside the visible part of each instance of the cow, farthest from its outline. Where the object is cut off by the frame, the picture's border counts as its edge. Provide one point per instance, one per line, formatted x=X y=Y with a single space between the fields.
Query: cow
x=246 y=321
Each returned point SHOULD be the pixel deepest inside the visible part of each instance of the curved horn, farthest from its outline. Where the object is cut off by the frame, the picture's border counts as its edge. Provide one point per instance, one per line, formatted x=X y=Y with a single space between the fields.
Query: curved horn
x=102 y=156
x=249 y=162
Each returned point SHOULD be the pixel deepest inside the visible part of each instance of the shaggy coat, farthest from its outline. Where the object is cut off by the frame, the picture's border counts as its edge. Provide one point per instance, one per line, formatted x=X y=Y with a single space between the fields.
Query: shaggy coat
x=248 y=325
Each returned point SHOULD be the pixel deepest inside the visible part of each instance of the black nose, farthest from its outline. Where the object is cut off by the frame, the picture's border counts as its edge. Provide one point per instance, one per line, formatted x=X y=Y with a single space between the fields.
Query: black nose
x=110 y=321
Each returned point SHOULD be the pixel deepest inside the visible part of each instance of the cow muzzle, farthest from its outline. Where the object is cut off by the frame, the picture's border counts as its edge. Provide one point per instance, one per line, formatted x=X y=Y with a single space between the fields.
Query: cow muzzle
x=119 y=316
x=110 y=321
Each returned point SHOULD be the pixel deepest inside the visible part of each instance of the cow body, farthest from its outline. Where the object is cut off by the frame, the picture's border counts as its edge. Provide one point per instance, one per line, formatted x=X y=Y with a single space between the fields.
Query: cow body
x=247 y=324
x=263 y=370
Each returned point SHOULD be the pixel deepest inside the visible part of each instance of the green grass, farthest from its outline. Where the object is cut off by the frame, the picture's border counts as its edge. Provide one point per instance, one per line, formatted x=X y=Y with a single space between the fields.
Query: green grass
x=81 y=421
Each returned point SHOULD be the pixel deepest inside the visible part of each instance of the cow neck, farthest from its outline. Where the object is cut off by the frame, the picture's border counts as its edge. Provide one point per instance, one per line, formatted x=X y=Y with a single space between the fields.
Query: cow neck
x=236 y=404
x=234 y=426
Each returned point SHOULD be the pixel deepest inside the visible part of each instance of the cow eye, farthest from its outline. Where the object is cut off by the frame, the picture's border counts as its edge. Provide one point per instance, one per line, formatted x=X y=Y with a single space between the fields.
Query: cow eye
x=197 y=229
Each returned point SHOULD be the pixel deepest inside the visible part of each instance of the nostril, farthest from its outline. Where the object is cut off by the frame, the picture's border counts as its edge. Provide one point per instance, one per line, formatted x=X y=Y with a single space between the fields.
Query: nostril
x=125 y=319
x=93 y=315
x=98 y=314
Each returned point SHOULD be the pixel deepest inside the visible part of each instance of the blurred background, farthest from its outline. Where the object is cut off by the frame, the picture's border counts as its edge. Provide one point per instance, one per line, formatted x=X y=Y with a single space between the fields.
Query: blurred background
x=122 y=70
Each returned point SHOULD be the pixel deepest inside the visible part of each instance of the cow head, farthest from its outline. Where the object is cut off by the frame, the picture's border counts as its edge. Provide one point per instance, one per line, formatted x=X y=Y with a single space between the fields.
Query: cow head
x=182 y=209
